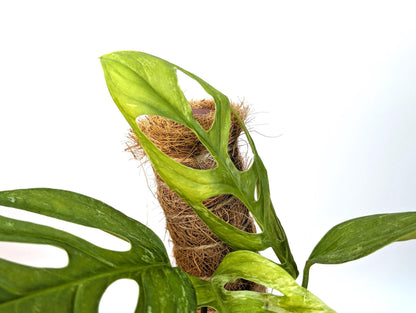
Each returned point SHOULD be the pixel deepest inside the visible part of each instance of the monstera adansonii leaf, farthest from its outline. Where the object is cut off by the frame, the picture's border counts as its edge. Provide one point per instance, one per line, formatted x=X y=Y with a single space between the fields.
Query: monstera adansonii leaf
x=359 y=237
x=77 y=288
x=141 y=84
x=253 y=267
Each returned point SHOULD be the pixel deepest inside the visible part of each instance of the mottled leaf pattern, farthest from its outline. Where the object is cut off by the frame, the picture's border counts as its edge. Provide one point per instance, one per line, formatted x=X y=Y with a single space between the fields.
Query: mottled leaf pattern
x=78 y=287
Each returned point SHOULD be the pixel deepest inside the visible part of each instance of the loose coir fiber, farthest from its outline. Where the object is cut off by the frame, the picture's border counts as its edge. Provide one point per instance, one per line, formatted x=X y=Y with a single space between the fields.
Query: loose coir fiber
x=196 y=249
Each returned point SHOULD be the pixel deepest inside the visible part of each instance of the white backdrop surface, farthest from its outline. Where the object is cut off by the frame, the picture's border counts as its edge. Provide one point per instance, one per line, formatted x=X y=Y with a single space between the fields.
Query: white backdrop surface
x=332 y=88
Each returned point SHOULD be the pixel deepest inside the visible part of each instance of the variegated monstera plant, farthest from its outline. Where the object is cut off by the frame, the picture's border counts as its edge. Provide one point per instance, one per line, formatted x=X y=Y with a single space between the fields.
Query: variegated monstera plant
x=141 y=84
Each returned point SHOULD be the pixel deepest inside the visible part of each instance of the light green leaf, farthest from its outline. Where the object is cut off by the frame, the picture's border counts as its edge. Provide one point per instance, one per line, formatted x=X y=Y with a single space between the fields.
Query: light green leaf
x=360 y=237
x=78 y=287
x=253 y=267
x=141 y=84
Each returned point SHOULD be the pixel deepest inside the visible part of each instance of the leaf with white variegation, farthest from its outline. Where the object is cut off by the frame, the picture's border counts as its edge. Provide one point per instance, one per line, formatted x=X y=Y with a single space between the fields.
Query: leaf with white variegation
x=142 y=84
x=253 y=267
x=78 y=287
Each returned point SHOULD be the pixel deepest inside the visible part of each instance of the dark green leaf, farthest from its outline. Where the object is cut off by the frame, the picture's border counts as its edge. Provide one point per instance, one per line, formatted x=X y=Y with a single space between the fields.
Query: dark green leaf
x=141 y=84
x=360 y=237
x=78 y=287
x=253 y=267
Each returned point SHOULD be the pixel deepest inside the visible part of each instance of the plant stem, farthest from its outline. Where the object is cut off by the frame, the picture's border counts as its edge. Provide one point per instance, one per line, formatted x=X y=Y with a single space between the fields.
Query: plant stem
x=305 y=279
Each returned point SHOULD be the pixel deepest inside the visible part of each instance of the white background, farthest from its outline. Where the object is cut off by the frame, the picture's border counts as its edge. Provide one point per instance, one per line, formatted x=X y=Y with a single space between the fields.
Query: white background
x=332 y=87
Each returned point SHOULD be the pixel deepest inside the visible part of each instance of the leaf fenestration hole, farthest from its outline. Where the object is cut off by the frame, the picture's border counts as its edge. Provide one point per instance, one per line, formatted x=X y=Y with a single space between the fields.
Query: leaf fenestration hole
x=232 y=210
x=246 y=151
x=121 y=297
x=202 y=103
x=191 y=88
x=95 y=236
x=35 y=255
x=244 y=284
x=256 y=193
x=270 y=254
x=172 y=138
x=276 y=292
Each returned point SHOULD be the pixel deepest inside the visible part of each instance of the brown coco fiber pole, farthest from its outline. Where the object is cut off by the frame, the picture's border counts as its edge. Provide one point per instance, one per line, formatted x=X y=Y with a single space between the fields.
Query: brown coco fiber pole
x=196 y=249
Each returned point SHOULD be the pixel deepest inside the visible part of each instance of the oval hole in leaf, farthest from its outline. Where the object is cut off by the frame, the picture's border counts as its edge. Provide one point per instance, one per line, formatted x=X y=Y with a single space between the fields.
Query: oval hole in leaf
x=256 y=193
x=191 y=88
x=202 y=103
x=232 y=210
x=35 y=255
x=121 y=297
x=245 y=150
x=244 y=284
x=203 y=112
x=173 y=139
x=276 y=292
x=96 y=236
x=269 y=253
x=203 y=107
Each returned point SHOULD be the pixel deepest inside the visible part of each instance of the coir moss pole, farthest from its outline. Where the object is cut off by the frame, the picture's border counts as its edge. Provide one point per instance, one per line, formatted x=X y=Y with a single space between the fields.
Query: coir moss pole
x=196 y=249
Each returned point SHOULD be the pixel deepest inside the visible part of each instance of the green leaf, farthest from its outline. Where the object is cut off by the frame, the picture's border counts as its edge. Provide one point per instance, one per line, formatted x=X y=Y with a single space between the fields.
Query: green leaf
x=251 y=266
x=77 y=288
x=360 y=237
x=141 y=84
